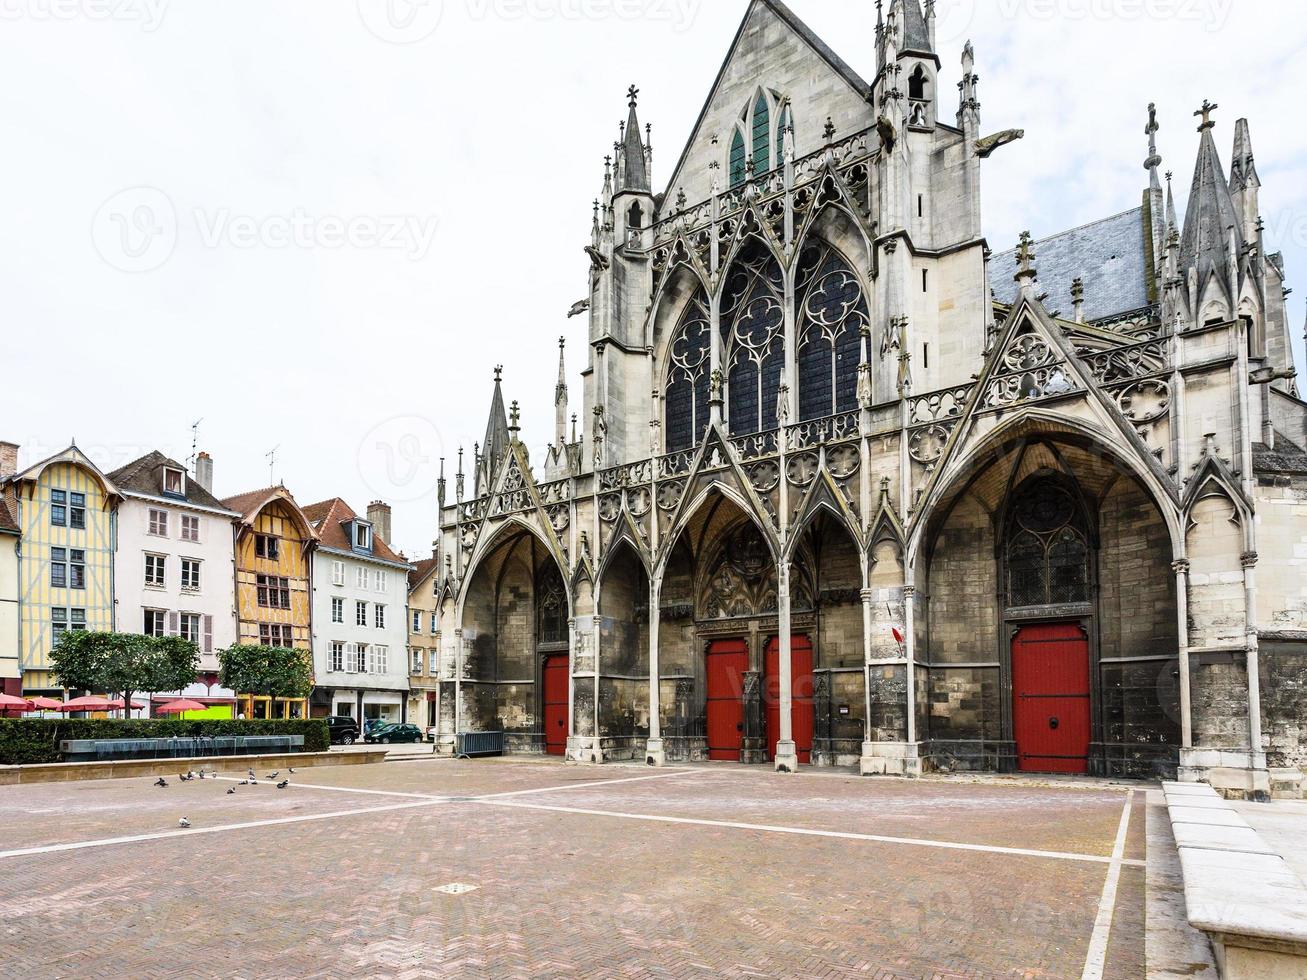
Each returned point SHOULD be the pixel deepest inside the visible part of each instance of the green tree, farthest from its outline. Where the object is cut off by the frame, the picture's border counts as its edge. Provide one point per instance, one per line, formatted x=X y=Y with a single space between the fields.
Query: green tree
x=274 y=672
x=124 y=664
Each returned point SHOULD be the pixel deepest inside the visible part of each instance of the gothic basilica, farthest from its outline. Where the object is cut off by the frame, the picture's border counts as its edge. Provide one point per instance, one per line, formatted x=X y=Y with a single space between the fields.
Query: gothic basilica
x=852 y=490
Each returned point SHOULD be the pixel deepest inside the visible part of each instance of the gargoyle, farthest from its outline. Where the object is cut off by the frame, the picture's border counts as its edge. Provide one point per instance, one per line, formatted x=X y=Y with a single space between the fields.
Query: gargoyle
x=598 y=261
x=985 y=147
x=578 y=308
x=888 y=135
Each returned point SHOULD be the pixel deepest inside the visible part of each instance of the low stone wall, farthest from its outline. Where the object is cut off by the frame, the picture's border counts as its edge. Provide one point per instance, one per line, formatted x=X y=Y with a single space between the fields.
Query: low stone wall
x=59 y=772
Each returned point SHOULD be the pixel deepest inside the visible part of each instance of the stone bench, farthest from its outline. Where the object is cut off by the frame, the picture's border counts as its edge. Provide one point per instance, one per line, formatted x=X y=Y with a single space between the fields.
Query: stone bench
x=1237 y=889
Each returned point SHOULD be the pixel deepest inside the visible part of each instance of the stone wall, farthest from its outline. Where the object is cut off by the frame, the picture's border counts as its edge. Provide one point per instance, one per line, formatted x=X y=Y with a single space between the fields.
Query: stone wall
x=1283 y=673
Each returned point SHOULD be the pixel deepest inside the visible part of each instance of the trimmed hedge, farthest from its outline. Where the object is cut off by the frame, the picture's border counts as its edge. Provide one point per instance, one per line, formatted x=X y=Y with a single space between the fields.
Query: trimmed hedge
x=29 y=741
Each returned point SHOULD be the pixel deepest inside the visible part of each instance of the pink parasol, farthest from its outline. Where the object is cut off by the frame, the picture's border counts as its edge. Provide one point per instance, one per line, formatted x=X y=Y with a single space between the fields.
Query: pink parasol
x=178 y=707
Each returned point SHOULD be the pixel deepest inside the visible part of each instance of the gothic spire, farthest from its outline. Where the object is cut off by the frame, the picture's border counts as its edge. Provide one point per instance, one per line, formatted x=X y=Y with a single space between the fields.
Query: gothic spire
x=1154 y=158
x=916 y=35
x=633 y=172
x=560 y=396
x=495 y=448
x=1243 y=172
x=1210 y=216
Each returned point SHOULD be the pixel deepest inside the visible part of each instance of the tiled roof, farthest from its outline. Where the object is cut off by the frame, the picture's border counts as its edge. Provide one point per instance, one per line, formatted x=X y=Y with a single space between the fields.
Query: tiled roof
x=7 y=522
x=145 y=476
x=421 y=571
x=1108 y=255
x=248 y=503
x=1286 y=457
x=328 y=519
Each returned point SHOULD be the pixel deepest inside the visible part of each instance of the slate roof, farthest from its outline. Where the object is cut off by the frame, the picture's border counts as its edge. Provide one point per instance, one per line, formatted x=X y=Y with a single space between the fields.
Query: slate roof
x=1286 y=457
x=328 y=519
x=421 y=571
x=145 y=476
x=1109 y=255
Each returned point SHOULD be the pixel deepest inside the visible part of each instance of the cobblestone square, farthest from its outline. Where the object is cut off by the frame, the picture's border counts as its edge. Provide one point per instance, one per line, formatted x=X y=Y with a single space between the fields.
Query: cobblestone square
x=575 y=872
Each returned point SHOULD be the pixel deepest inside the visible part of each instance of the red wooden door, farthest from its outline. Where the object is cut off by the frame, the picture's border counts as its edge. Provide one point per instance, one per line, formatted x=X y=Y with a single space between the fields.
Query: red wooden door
x=728 y=660
x=802 y=715
x=1050 y=698
x=557 y=670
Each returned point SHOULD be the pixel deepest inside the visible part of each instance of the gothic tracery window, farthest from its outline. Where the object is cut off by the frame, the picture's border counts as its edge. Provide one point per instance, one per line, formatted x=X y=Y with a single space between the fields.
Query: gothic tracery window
x=551 y=606
x=753 y=338
x=686 y=406
x=832 y=311
x=1047 y=548
x=739 y=156
x=761 y=135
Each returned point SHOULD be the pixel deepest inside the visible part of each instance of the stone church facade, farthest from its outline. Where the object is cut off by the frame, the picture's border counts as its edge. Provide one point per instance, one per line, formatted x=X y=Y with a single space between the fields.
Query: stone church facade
x=850 y=489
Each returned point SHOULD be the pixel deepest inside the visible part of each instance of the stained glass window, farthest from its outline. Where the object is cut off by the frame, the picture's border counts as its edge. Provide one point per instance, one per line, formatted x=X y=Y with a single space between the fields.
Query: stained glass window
x=686 y=405
x=761 y=135
x=832 y=311
x=738 y=158
x=1047 y=553
x=753 y=338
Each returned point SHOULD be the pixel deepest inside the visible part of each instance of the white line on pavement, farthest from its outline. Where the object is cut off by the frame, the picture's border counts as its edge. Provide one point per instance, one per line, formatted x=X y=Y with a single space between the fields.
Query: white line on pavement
x=342 y=789
x=197 y=831
x=600 y=782
x=1097 y=955
x=810 y=832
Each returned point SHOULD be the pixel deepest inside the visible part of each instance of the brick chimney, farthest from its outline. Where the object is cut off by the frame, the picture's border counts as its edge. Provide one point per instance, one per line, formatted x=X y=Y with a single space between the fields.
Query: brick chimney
x=379 y=516
x=8 y=459
x=204 y=471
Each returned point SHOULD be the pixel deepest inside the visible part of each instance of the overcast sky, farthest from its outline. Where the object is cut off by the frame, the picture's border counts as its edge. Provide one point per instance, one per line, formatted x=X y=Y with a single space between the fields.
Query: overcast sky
x=318 y=224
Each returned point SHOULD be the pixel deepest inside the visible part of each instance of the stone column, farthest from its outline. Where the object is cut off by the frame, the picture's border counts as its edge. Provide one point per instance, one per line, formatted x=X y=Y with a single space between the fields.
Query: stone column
x=1181 y=568
x=654 y=753
x=458 y=682
x=1258 y=756
x=910 y=652
x=597 y=755
x=868 y=747
x=787 y=756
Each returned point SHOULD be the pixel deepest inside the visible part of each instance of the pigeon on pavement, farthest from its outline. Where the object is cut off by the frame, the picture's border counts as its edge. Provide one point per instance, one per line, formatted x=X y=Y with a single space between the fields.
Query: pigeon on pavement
x=161 y=782
x=183 y=823
x=232 y=791
x=283 y=784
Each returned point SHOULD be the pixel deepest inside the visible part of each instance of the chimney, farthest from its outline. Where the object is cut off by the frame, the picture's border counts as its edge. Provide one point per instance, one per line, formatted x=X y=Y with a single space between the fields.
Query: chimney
x=204 y=471
x=379 y=516
x=8 y=460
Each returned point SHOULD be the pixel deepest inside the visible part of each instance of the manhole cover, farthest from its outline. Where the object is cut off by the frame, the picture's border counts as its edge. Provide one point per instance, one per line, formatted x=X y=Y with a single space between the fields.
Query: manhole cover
x=457 y=888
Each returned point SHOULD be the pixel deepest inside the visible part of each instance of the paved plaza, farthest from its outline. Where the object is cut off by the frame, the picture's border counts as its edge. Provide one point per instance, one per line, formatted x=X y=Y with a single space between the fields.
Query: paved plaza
x=573 y=871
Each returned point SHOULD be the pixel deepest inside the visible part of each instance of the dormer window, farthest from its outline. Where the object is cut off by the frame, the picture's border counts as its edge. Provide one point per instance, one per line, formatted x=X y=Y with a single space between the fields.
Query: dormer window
x=362 y=536
x=174 y=482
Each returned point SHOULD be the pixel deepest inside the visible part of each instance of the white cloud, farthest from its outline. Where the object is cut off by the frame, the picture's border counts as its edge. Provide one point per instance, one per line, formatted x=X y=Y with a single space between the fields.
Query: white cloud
x=489 y=125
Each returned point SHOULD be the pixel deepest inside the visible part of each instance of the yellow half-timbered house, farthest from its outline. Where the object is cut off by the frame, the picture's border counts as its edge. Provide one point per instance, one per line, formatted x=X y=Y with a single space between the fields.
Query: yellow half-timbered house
x=274 y=550
x=65 y=510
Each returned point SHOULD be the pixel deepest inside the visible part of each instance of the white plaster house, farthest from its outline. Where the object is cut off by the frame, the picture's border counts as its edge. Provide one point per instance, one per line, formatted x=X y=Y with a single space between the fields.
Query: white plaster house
x=174 y=560
x=360 y=599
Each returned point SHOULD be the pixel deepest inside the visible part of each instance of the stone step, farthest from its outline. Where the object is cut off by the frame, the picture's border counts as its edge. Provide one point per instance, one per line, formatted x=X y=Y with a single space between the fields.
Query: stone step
x=1288 y=784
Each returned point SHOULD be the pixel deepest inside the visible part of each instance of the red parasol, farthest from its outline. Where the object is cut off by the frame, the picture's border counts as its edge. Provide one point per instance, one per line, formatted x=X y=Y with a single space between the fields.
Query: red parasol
x=45 y=704
x=9 y=702
x=118 y=705
x=87 y=704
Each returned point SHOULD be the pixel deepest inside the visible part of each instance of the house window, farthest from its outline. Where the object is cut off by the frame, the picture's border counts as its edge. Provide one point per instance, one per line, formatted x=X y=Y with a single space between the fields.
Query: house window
x=417 y=663
x=381 y=580
x=380 y=616
x=77 y=569
x=380 y=660
x=360 y=577
x=337 y=665
x=362 y=537
x=361 y=658
x=338 y=610
x=190 y=575
x=361 y=614
x=433 y=623
x=188 y=627
x=159 y=523
x=337 y=573
x=417 y=622
x=274 y=592
x=190 y=528
x=174 y=482
x=153 y=625
x=275 y=635
x=58 y=508
x=58 y=568
x=266 y=546
x=77 y=510
x=154 y=571
x=58 y=622
x=77 y=619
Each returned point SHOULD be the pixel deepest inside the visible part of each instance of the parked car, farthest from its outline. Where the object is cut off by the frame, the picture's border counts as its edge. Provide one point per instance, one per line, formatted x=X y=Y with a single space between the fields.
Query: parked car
x=375 y=724
x=395 y=733
x=344 y=730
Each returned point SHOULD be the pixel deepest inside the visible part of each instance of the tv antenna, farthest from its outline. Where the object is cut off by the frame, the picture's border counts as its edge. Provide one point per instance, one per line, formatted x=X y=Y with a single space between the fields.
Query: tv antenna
x=195 y=445
x=272 y=464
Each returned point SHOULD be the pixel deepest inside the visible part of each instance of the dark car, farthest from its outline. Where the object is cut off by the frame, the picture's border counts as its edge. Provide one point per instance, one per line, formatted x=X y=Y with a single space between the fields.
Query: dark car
x=344 y=730
x=395 y=733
